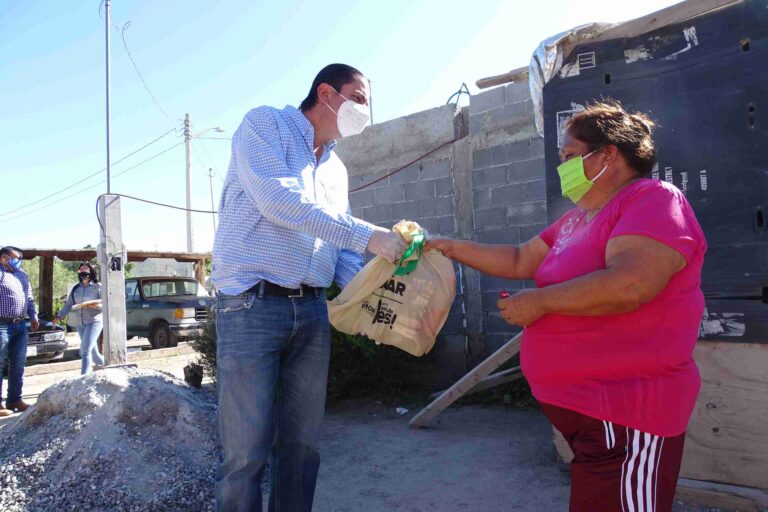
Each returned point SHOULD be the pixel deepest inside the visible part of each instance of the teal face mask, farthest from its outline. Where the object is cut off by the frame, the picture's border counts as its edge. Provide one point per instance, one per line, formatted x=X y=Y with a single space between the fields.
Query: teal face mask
x=573 y=180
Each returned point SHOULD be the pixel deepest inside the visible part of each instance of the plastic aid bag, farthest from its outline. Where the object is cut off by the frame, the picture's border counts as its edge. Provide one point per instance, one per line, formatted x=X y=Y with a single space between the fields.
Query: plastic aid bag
x=404 y=304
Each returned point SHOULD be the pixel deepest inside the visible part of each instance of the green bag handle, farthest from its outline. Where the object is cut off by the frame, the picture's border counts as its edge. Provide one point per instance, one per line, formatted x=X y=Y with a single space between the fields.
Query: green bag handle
x=417 y=247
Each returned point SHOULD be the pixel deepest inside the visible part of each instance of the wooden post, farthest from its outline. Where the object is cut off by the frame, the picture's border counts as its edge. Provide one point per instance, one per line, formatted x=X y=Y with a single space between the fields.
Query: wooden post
x=112 y=260
x=467 y=382
x=46 y=286
x=200 y=272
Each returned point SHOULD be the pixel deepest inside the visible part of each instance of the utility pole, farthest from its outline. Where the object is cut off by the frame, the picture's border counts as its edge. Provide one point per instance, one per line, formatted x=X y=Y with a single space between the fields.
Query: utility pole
x=106 y=24
x=112 y=258
x=213 y=208
x=188 y=143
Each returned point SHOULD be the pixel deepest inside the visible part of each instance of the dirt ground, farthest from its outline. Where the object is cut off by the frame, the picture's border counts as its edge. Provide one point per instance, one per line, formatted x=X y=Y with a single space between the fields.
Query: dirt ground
x=472 y=459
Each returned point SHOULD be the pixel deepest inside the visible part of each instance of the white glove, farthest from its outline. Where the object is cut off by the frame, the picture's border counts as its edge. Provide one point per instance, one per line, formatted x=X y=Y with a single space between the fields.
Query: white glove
x=387 y=244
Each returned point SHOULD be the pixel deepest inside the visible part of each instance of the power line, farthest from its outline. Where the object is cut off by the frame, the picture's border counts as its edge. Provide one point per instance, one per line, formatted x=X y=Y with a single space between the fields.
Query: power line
x=130 y=57
x=89 y=176
x=214 y=138
x=124 y=171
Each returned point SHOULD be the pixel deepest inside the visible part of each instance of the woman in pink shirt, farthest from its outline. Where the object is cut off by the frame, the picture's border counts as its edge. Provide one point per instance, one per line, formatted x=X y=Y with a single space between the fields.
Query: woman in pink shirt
x=611 y=327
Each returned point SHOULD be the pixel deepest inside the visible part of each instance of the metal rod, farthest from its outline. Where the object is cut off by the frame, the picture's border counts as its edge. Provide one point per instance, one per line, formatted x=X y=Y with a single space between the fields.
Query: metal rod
x=106 y=30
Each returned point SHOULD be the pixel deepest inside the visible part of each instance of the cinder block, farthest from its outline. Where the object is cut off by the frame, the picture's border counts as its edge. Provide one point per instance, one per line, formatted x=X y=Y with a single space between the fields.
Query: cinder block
x=438 y=169
x=388 y=195
x=513 y=116
x=493 y=217
x=481 y=198
x=494 y=323
x=526 y=170
x=376 y=214
x=481 y=158
x=534 y=191
x=436 y=207
x=506 y=236
x=430 y=224
x=489 y=300
x=491 y=176
x=369 y=179
x=446 y=225
x=454 y=324
x=361 y=199
x=537 y=147
x=495 y=341
x=452 y=343
x=496 y=284
x=518 y=92
x=357 y=213
x=503 y=195
x=487 y=100
x=444 y=187
x=528 y=232
x=407 y=175
x=526 y=214
x=407 y=210
x=514 y=152
x=420 y=190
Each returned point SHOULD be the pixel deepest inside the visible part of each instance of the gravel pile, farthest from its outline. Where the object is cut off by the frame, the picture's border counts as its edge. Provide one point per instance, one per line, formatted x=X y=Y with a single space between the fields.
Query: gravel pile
x=119 y=439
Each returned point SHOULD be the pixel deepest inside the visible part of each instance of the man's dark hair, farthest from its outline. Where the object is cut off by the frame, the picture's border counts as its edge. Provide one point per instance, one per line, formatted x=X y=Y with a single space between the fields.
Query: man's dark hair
x=335 y=75
x=9 y=249
x=607 y=123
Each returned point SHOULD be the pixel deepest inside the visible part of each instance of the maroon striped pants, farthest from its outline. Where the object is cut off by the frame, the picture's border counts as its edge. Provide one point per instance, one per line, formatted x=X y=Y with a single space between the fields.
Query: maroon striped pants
x=617 y=468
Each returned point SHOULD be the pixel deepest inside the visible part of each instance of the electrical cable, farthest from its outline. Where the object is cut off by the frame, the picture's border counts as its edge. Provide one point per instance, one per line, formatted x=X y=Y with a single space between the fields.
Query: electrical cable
x=87 y=177
x=441 y=146
x=124 y=171
x=122 y=30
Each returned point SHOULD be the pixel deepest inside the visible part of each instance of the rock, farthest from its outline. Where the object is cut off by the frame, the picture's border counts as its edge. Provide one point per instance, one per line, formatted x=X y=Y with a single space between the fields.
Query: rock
x=101 y=442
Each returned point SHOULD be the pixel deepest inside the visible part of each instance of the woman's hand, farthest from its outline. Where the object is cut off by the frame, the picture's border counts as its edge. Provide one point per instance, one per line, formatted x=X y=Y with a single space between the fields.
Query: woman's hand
x=444 y=245
x=522 y=308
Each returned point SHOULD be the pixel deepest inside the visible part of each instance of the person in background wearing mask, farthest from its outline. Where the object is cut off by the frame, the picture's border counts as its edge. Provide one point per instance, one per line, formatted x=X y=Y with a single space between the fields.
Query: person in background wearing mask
x=16 y=305
x=87 y=320
x=285 y=234
x=611 y=327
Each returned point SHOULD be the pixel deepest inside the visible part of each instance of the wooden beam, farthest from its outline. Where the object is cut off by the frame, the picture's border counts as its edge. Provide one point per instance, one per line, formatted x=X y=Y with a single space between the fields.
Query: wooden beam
x=668 y=16
x=466 y=383
x=516 y=75
x=88 y=254
x=45 y=285
x=497 y=379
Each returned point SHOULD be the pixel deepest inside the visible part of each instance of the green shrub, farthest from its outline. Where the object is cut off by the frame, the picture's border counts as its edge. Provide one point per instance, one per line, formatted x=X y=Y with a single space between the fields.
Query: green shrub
x=358 y=366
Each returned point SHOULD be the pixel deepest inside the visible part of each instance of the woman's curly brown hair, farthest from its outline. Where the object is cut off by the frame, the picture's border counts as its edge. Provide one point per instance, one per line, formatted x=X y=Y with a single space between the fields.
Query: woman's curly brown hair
x=607 y=123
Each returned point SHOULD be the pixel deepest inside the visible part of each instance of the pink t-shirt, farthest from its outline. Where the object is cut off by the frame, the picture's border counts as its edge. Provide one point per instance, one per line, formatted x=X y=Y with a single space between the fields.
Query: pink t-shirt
x=634 y=369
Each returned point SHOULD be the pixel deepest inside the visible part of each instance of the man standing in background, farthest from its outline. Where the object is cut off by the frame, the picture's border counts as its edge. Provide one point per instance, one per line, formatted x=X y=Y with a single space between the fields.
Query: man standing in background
x=285 y=234
x=16 y=304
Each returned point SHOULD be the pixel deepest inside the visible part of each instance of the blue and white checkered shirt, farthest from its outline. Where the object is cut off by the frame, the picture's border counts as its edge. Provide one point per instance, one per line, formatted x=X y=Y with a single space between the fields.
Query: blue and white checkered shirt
x=283 y=216
x=16 y=298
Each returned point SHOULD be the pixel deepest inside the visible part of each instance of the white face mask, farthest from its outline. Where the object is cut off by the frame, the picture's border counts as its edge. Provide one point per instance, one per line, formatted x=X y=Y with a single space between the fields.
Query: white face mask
x=352 y=117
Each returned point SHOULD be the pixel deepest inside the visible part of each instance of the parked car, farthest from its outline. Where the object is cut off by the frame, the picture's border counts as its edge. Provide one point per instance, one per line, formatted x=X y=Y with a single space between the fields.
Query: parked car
x=165 y=309
x=47 y=343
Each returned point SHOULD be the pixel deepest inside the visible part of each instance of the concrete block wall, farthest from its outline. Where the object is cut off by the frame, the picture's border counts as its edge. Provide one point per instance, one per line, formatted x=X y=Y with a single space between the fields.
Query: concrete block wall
x=487 y=185
x=508 y=188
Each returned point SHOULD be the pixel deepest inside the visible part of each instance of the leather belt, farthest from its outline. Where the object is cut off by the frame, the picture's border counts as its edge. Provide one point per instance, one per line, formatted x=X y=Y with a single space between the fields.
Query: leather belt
x=17 y=320
x=275 y=290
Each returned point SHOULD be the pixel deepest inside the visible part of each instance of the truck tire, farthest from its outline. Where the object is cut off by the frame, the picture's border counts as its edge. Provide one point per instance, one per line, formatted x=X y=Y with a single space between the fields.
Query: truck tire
x=160 y=336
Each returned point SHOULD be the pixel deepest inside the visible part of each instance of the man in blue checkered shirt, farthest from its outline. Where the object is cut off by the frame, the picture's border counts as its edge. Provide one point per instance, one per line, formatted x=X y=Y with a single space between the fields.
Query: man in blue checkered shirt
x=285 y=234
x=16 y=305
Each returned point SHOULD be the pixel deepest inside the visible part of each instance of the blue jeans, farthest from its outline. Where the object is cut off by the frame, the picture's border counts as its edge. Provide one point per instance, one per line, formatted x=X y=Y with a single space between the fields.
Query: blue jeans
x=272 y=371
x=89 y=346
x=13 y=343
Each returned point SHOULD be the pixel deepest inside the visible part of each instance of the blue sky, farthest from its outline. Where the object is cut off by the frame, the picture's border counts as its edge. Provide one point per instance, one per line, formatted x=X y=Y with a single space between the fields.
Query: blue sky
x=215 y=61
